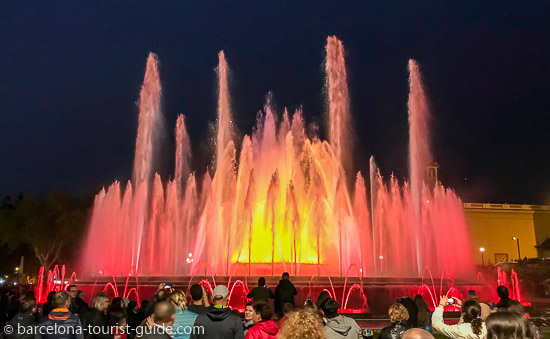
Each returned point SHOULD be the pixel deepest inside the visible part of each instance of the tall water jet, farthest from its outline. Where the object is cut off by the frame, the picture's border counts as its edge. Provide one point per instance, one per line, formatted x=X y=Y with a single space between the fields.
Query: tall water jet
x=419 y=149
x=183 y=154
x=340 y=132
x=148 y=124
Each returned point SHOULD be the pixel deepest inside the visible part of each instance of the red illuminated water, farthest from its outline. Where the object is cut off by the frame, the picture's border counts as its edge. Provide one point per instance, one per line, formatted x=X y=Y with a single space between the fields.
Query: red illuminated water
x=281 y=201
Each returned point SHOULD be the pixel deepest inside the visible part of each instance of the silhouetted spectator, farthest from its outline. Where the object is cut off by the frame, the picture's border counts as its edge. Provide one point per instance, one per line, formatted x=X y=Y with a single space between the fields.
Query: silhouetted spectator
x=47 y=307
x=424 y=313
x=199 y=299
x=78 y=306
x=324 y=295
x=485 y=309
x=284 y=293
x=411 y=309
x=287 y=310
x=508 y=325
x=261 y=292
x=504 y=297
x=132 y=313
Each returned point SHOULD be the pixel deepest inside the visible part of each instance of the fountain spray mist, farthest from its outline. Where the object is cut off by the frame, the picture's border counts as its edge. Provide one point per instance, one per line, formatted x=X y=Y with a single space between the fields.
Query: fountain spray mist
x=283 y=205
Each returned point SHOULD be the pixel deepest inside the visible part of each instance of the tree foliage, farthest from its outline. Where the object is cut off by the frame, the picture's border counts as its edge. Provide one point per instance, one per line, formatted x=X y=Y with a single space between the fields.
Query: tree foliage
x=53 y=225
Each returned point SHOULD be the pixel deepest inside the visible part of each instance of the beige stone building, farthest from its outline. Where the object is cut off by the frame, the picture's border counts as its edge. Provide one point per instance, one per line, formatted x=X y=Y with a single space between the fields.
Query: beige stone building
x=499 y=231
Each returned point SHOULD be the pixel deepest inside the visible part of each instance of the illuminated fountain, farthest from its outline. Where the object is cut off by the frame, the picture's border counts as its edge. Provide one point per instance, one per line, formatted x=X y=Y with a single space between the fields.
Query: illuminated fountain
x=284 y=204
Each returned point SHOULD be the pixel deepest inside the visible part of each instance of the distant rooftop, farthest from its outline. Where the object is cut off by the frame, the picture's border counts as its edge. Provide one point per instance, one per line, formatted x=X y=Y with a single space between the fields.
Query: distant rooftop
x=476 y=205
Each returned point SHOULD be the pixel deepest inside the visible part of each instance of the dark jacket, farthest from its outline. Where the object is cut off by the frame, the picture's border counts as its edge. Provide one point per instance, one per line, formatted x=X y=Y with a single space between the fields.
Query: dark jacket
x=218 y=323
x=284 y=293
x=199 y=309
x=97 y=320
x=79 y=307
x=60 y=317
x=21 y=319
x=394 y=331
x=261 y=293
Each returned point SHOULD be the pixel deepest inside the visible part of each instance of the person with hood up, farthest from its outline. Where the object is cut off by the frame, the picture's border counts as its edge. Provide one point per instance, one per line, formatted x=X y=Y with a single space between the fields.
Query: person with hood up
x=219 y=322
x=284 y=293
x=264 y=327
x=338 y=326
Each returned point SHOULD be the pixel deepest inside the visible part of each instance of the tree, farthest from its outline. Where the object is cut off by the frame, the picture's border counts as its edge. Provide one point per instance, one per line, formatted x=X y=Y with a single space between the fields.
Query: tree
x=53 y=225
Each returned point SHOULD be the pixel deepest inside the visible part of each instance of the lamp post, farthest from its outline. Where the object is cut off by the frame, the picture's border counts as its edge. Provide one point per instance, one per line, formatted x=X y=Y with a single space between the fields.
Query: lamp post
x=381 y=264
x=517 y=241
x=482 y=249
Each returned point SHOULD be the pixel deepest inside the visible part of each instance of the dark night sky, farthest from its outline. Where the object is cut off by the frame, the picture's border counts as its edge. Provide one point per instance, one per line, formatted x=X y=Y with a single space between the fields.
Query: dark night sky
x=71 y=74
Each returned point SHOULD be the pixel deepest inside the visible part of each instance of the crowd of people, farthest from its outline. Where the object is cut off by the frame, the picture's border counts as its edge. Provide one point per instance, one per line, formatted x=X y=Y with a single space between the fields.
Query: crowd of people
x=171 y=314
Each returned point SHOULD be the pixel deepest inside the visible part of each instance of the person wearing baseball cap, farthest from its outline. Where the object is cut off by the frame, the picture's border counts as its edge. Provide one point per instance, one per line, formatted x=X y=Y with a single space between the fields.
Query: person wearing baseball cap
x=220 y=321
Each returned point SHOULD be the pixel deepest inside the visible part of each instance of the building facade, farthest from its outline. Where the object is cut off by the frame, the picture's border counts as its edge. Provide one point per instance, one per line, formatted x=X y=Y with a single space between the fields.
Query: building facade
x=501 y=232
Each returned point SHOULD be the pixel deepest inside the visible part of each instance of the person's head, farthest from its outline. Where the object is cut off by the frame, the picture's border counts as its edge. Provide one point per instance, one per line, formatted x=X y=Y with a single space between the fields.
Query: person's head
x=286 y=276
x=515 y=306
x=161 y=295
x=471 y=313
x=508 y=325
x=262 y=312
x=398 y=313
x=417 y=333
x=117 y=318
x=27 y=305
x=220 y=295
x=178 y=298
x=324 y=295
x=303 y=324
x=132 y=307
x=502 y=292
x=330 y=308
x=164 y=313
x=287 y=308
x=72 y=290
x=196 y=292
x=101 y=302
x=30 y=294
x=309 y=306
x=50 y=296
x=61 y=300
x=249 y=311
x=261 y=281
x=472 y=294
x=117 y=304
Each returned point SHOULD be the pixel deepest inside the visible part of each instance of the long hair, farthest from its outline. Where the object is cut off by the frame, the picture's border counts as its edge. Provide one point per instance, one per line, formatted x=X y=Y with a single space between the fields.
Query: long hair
x=303 y=325
x=471 y=314
x=178 y=297
x=509 y=325
x=424 y=313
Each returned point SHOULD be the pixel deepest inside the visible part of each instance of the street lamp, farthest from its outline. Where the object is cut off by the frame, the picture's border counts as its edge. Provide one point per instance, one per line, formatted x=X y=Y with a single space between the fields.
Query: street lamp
x=482 y=249
x=517 y=241
x=381 y=264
